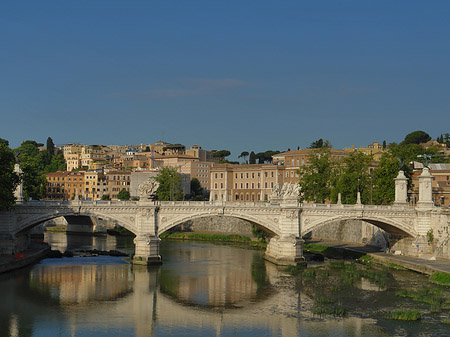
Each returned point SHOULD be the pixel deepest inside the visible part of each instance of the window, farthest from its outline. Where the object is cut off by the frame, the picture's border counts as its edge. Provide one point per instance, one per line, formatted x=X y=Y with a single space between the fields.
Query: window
x=271 y=174
x=221 y=185
x=265 y=174
x=235 y=185
x=246 y=185
x=215 y=175
x=253 y=185
x=247 y=175
x=221 y=175
x=253 y=174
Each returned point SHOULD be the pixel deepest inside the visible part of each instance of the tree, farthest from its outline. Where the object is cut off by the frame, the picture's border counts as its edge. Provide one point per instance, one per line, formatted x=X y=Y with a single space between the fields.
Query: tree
x=352 y=178
x=317 y=144
x=123 y=195
x=266 y=157
x=244 y=155
x=221 y=154
x=106 y=197
x=417 y=137
x=252 y=158
x=384 y=145
x=316 y=179
x=169 y=185
x=383 y=179
x=32 y=164
x=50 y=146
x=8 y=178
x=197 y=191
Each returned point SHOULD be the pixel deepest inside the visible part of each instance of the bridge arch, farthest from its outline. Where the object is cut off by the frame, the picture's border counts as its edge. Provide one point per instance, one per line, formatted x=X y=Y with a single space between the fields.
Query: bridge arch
x=27 y=223
x=391 y=226
x=267 y=225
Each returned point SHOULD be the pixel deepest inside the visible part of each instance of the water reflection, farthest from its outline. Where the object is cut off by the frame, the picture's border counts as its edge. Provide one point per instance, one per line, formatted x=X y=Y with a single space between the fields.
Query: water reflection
x=200 y=290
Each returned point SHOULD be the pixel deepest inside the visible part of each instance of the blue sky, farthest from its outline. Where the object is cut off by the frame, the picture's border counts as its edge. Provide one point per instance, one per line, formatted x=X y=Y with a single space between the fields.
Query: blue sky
x=236 y=75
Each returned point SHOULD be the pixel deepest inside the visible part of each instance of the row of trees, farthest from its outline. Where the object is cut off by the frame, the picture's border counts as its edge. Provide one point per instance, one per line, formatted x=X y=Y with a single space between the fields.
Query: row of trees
x=325 y=177
x=34 y=165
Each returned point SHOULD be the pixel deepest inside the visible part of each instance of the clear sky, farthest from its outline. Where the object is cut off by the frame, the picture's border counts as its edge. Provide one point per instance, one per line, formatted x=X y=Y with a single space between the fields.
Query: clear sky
x=237 y=75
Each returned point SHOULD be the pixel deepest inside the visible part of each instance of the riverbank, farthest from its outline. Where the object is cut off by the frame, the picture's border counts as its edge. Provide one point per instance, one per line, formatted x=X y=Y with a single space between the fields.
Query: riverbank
x=35 y=253
x=214 y=238
x=423 y=266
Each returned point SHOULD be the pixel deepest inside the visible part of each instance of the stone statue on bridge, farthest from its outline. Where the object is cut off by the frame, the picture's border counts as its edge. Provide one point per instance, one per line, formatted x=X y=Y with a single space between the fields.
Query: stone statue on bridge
x=288 y=191
x=147 y=190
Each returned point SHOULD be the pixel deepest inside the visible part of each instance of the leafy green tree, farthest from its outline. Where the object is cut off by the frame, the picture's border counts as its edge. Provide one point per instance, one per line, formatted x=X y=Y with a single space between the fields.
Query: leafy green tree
x=221 y=154
x=252 y=158
x=316 y=179
x=50 y=146
x=32 y=164
x=169 y=185
x=417 y=137
x=266 y=157
x=123 y=195
x=197 y=191
x=106 y=197
x=244 y=155
x=8 y=178
x=353 y=177
x=383 y=179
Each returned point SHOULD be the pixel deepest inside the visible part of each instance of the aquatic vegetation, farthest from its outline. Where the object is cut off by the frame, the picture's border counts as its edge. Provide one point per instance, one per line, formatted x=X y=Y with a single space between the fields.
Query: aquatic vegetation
x=405 y=315
x=336 y=310
x=337 y=264
x=432 y=296
x=324 y=273
x=315 y=247
x=309 y=273
x=293 y=270
x=441 y=278
x=366 y=258
x=446 y=321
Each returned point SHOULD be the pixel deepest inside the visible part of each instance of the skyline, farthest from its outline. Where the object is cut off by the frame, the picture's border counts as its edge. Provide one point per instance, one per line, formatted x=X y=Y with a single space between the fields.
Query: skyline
x=224 y=76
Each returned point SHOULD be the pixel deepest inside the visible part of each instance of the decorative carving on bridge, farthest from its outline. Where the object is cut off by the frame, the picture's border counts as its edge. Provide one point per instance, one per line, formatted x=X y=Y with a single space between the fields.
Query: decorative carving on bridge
x=147 y=190
x=288 y=191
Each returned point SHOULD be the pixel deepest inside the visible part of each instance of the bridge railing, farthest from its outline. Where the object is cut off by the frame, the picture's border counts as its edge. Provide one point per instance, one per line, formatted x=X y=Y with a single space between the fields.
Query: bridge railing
x=356 y=206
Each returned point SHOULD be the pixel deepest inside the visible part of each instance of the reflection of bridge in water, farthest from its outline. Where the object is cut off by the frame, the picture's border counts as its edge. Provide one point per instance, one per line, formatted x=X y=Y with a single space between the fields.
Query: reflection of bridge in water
x=284 y=218
x=133 y=300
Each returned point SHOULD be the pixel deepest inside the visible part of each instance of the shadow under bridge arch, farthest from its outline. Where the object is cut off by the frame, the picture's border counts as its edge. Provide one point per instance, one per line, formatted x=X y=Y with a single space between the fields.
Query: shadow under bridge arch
x=26 y=224
x=218 y=223
x=392 y=226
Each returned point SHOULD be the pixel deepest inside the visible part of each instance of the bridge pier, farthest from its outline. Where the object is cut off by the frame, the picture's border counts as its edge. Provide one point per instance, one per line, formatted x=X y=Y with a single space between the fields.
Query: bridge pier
x=285 y=251
x=147 y=250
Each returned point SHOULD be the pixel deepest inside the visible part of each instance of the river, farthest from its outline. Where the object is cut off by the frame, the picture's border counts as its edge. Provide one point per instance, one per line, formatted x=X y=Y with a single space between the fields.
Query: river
x=204 y=289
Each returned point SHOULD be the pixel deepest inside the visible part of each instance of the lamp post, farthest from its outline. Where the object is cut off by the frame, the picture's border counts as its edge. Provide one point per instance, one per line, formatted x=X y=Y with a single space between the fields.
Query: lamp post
x=371 y=187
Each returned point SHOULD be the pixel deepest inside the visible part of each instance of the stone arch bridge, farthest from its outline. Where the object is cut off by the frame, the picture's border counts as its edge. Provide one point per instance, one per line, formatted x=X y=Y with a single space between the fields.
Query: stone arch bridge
x=284 y=218
x=285 y=221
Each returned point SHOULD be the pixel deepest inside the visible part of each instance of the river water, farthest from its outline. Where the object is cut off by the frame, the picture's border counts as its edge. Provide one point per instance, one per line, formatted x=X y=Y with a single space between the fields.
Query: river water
x=204 y=289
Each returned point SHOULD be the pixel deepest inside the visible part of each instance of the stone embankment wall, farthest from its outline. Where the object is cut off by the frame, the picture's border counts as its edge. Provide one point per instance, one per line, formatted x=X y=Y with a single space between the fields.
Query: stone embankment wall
x=440 y=235
x=217 y=225
x=351 y=231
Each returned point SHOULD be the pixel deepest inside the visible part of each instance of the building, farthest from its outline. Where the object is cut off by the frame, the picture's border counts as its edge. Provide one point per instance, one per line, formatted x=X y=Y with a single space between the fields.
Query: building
x=440 y=184
x=64 y=185
x=294 y=160
x=247 y=183
x=375 y=150
x=117 y=181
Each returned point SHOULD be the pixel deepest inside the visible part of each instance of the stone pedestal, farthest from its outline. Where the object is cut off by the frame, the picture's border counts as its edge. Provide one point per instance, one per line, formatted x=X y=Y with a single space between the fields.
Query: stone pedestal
x=285 y=251
x=401 y=189
x=425 y=190
x=147 y=250
x=18 y=193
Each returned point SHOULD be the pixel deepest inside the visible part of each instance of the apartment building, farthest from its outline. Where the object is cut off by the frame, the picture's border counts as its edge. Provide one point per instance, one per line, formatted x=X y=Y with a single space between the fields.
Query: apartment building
x=294 y=160
x=440 y=184
x=64 y=185
x=117 y=181
x=247 y=183
x=95 y=185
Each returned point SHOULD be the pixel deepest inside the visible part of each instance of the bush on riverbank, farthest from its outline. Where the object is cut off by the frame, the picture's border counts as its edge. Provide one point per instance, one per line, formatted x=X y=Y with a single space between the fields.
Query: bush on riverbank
x=441 y=278
x=405 y=315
